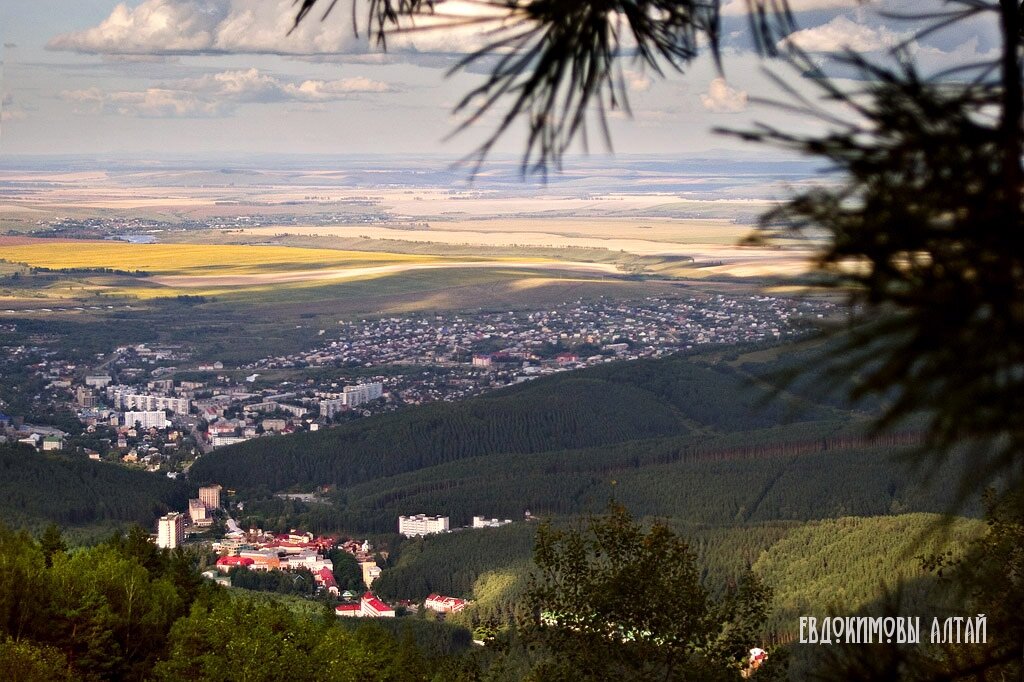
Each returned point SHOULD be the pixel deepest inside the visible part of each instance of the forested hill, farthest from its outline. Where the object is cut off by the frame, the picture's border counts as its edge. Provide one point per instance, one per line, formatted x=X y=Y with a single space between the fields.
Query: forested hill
x=36 y=489
x=611 y=404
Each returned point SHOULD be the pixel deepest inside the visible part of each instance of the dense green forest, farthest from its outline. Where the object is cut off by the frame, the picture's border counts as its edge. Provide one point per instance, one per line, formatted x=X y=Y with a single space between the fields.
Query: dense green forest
x=842 y=564
x=37 y=489
x=613 y=404
x=125 y=610
x=717 y=481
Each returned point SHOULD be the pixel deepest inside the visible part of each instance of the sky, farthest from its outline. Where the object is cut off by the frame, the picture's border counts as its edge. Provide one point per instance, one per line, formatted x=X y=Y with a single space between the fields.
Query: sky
x=198 y=77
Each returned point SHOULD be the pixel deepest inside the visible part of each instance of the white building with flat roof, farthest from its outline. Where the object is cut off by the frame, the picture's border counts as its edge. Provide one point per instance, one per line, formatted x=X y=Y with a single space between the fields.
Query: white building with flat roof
x=332 y=406
x=209 y=495
x=125 y=398
x=481 y=522
x=361 y=393
x=421 y=524
x=170 y=530
x=147 y=419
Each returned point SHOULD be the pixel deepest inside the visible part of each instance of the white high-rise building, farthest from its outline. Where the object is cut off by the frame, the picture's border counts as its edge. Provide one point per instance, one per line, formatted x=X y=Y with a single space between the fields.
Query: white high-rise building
x=361 y=393
x=147 y=419
x=421 y=524
x=331 y=407
x=210 y=496
x=124 y=398
x=170 y=530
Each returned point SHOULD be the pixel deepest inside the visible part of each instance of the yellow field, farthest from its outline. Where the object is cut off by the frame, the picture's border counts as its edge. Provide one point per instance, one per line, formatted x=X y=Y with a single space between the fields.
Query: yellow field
x=193 y=259
x=217 y=270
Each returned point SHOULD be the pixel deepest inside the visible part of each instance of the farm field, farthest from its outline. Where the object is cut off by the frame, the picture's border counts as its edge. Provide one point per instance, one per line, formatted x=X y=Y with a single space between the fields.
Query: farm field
x=172 y=269
x=180 y=259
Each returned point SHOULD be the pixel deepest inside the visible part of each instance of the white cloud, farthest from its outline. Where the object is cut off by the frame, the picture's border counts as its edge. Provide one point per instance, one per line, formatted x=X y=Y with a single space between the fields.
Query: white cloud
x=841 y=33
x=723 y=99
x=174 y=27
x=931 y=59
x=219 y=94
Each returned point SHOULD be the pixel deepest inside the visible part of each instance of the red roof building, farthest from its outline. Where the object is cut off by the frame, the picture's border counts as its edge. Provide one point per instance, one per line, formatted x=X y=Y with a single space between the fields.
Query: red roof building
x=436 y=602
x=353 y=610
x=226 y=563
x=367 y=607
x=375 y=608
x=325 y=579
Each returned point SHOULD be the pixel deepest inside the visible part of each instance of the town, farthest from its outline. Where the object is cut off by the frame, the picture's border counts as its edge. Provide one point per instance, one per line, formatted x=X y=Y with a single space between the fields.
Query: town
x=158 y=407
x=303 y=559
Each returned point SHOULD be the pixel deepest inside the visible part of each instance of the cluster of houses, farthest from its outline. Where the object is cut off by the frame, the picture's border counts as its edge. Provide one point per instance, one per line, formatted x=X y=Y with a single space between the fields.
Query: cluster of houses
x=259 y=551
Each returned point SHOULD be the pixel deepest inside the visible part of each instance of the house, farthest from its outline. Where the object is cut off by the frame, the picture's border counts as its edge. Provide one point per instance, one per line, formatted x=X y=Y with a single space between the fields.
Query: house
x=367 y=607
x=375 y=608
x=436 y=602
x=352 y=610
x=325 y=579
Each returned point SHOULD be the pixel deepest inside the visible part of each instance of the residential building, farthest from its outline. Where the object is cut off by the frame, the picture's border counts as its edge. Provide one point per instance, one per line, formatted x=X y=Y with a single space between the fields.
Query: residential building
x=331 y=407
x=98 y=381
x=361 y=393
x=436 y=602
x=218 y=441
x=481 y=522
x=375 y=608
x=273 y=424
x=350 y=610
x=147 y=419
x=198 y=513
x=170 y=530
x=85 y=398
x=124 y=399
x=367 y=607
x=371 y=571
x=209 y=495
x=294 y=410
x=421 y=524
x=325 y=579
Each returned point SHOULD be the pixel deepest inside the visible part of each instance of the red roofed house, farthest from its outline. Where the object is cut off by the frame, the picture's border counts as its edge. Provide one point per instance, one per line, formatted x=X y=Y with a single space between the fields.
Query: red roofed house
x=226 y=563
x=375 y=608
x=436 y=602
x=368 y=607
x=325 y=579
x=353 y=610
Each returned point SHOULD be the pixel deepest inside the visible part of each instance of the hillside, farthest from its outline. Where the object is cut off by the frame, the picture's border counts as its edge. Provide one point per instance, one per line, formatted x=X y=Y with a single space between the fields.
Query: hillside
x=606 y=405
x=702 y=438
x=839 y=564
x=36 y=489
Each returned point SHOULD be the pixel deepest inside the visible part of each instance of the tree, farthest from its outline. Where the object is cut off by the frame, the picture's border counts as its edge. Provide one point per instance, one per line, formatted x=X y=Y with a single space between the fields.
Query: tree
x=28 y=662
x=923 y=230
x=52 y=542
x=614 y=600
